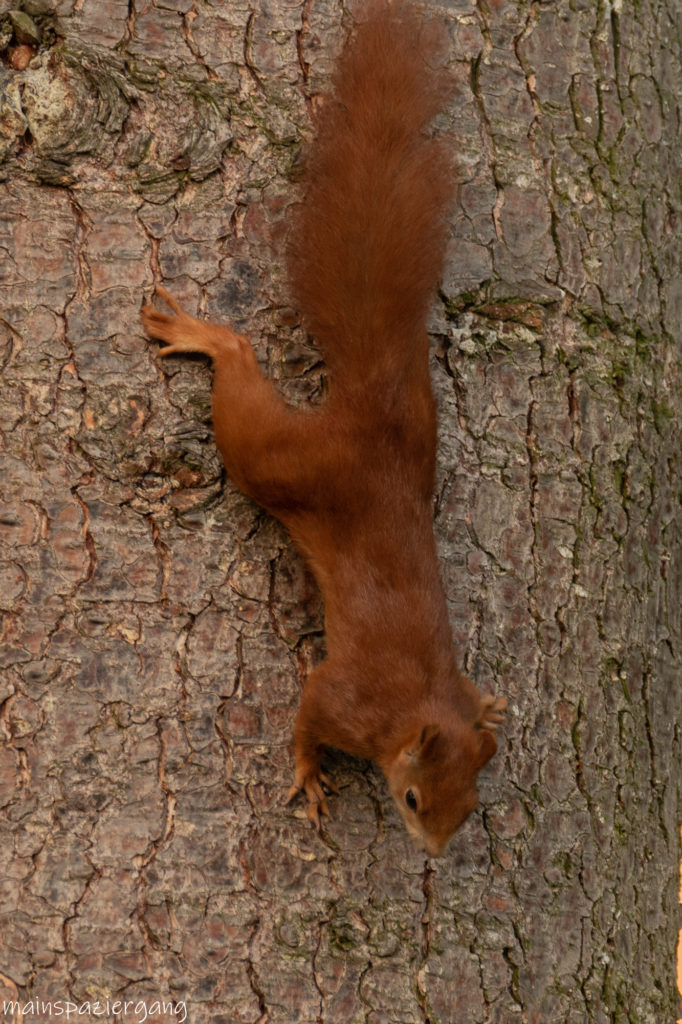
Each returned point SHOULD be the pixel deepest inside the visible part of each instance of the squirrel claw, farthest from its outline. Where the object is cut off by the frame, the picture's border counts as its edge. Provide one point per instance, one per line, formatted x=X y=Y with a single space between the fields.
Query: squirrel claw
x=170 y=300
x=317 y=801
x=493 y=711
x=313 y=812
x=327 y=782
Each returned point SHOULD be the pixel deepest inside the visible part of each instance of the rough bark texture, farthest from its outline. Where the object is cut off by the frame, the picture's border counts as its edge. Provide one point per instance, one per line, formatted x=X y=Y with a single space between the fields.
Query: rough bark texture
x=157 y=626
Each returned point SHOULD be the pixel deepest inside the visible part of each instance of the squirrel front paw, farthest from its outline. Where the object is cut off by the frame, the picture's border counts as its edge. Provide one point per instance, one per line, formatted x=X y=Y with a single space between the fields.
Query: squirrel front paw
x=310 y=782
x=492 y=711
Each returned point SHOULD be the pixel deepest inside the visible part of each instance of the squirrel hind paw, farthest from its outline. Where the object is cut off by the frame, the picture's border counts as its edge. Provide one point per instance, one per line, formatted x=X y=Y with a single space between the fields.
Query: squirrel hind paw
x=159 y=325
x=169 y=299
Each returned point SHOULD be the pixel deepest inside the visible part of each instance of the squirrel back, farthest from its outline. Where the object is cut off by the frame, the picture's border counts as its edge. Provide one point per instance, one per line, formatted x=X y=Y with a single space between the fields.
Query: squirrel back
x=368 y=242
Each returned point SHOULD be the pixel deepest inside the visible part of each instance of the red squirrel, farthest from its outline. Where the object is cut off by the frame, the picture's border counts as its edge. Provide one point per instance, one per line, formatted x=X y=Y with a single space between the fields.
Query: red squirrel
x=352 y=479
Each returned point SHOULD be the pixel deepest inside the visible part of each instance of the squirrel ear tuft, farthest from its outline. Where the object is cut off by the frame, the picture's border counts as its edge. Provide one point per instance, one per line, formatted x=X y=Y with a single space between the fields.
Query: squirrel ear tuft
x=421 y=749
x=487 y=746
x=428 y=735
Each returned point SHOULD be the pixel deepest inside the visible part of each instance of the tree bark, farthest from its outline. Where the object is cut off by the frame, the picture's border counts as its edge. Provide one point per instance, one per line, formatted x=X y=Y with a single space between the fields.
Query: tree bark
x=157 y=626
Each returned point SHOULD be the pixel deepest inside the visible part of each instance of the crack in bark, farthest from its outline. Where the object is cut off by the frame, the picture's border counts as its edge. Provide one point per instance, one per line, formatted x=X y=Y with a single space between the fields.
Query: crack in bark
x=248 y=56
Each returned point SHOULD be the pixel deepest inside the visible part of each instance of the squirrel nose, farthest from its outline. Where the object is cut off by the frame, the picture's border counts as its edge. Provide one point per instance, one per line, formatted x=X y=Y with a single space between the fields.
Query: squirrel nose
x=434 y=848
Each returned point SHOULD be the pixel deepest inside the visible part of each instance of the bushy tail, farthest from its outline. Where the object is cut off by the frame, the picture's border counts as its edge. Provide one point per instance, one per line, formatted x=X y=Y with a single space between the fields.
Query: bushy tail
x=367 y=247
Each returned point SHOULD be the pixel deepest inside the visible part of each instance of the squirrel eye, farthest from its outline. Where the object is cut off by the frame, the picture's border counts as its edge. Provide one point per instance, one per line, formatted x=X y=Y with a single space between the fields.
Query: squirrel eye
x=411 y=800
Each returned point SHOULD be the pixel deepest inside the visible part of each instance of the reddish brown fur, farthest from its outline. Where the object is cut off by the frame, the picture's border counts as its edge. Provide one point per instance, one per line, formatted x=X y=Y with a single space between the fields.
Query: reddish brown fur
x=353 y=479
x=368 y=246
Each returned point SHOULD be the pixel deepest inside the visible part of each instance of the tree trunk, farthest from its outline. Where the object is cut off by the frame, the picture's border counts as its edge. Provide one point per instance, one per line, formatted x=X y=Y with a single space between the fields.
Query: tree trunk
x=157 y=626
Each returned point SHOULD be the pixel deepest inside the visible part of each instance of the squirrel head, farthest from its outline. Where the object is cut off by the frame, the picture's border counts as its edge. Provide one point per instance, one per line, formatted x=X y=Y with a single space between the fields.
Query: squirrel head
x=433 y=777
